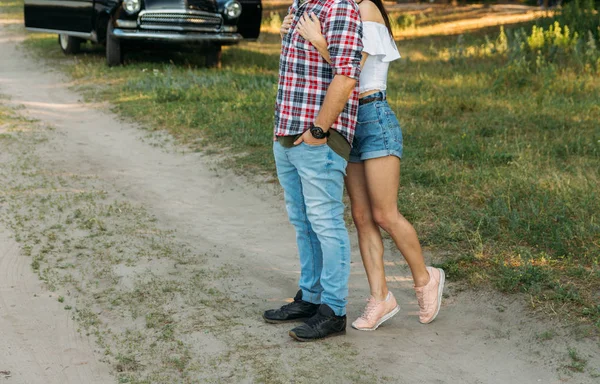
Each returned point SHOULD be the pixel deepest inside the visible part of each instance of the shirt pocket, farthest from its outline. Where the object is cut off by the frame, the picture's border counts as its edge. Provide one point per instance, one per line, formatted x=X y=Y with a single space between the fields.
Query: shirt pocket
x=302 y=44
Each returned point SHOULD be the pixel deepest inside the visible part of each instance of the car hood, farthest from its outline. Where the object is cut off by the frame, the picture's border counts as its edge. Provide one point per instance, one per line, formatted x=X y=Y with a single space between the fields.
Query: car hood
x=181 y=5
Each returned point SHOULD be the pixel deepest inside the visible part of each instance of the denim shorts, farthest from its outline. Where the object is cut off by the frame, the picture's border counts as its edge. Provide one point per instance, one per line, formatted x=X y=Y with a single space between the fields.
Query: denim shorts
x=378 y=133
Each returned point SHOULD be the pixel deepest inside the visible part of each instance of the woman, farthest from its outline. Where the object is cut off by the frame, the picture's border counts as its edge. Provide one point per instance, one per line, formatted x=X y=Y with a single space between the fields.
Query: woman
x=373 y=173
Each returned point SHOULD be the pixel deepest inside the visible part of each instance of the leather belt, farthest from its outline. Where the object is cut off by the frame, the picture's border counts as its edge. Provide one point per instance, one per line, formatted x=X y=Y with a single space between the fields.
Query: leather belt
x=367 y=100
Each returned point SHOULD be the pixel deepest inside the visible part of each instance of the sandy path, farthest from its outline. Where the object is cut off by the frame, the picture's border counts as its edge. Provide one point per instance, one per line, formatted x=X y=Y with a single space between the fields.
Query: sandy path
x=39 y=342
x=478 y=338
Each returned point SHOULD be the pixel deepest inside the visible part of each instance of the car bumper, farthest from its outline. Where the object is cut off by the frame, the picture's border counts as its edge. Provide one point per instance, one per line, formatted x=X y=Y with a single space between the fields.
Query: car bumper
x=176 y=37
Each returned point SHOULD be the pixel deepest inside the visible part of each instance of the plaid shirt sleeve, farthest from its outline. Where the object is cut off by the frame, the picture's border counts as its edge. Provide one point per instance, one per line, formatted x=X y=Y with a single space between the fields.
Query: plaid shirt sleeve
x=343 y=31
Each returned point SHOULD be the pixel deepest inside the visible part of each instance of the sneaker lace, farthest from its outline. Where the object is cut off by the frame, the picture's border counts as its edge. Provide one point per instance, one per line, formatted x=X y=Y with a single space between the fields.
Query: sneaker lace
x=370 y=308
x=316 y=320
x=289 y=305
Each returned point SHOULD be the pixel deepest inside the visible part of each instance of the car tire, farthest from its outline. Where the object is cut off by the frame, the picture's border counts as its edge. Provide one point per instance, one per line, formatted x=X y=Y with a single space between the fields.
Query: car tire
x=114 y=49
x=70 y=45
x=213 y=56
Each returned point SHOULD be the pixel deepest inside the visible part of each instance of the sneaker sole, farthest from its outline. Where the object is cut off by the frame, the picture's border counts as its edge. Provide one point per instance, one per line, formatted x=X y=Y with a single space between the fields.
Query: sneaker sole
x=301 y=339
x=440 y=293
x=298 y=320
x=385 y=318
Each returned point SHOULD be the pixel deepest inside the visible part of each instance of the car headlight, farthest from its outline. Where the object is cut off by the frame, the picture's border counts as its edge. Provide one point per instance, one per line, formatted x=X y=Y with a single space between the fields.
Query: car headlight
x=233 y=9
x=132 y=6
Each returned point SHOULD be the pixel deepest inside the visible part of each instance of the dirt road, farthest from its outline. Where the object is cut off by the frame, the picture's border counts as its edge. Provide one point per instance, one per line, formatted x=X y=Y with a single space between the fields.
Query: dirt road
x=231 y=238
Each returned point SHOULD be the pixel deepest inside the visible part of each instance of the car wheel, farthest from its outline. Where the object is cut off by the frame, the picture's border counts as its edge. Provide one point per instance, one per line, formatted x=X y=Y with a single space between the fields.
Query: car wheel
x=114 y=49
x=70 y=45
x=213 y=56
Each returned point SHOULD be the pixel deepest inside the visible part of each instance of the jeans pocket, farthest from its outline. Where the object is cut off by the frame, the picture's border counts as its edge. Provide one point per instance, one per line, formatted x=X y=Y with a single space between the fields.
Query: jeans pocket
x=367 y=114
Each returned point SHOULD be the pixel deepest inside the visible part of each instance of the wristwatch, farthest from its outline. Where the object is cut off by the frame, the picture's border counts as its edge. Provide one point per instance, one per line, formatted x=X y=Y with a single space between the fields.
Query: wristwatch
x=318 y=133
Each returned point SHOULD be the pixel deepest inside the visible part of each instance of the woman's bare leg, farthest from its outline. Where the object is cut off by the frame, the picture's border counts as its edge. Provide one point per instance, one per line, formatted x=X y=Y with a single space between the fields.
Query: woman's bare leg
x=382 y=179
x=369 y=237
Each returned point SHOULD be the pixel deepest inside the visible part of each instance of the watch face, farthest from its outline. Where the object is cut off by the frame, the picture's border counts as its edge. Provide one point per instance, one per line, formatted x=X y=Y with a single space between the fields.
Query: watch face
x=317 y=132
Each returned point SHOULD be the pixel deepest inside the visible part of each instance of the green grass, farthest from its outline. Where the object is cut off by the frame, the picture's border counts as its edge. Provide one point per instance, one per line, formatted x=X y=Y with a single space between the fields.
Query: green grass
x=501 y=168
x=577 y=363
x=11 y=9
x=546 y=335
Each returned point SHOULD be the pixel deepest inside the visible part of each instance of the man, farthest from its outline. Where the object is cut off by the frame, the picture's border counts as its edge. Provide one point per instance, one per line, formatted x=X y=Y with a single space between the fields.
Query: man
x=315 y=119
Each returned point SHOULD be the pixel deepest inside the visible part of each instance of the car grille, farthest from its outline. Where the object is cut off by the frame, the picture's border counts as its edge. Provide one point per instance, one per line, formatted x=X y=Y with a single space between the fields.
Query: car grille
x=181 y=21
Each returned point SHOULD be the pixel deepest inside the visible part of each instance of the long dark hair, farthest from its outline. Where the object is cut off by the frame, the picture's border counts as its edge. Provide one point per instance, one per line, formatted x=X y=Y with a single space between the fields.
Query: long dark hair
x=386 y=17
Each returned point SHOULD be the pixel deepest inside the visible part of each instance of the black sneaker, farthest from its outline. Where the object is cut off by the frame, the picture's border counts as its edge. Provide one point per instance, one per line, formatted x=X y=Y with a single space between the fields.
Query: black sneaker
x=324 y=324
x=297 y=310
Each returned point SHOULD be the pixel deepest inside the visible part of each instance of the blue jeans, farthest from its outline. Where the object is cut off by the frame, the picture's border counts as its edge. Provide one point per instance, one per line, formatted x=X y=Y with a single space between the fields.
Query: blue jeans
x=312 y=178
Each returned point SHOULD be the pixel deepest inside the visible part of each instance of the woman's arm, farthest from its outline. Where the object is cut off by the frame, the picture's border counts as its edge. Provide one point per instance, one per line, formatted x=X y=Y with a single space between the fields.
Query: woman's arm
x=309 y=28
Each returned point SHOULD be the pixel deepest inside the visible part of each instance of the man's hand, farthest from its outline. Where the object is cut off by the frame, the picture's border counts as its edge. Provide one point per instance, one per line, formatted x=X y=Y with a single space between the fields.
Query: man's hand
x=287 y=23
x=308 y=138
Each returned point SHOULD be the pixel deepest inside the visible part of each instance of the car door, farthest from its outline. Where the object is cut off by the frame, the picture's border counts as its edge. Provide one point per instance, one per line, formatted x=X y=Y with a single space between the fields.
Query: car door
x=74 y=17
x=249 y=23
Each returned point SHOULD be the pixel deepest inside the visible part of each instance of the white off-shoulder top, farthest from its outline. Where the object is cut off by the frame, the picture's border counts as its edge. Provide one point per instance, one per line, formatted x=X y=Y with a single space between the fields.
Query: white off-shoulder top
x=382 y=50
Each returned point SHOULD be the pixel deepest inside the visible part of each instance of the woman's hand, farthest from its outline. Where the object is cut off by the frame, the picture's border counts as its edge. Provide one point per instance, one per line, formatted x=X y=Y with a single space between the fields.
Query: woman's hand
x=287 y=23
x=309 y=27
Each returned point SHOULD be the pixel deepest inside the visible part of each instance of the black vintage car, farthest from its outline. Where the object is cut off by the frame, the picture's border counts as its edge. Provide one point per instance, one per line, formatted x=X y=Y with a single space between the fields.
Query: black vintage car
x=124 y=24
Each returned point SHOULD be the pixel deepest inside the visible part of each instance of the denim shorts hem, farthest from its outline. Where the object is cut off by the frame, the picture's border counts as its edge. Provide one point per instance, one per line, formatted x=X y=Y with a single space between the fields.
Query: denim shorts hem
x=374 y=155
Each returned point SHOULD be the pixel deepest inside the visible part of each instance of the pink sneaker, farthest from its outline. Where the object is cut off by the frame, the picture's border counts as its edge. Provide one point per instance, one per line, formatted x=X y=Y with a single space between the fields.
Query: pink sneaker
x=376 y=313
x=430 y=295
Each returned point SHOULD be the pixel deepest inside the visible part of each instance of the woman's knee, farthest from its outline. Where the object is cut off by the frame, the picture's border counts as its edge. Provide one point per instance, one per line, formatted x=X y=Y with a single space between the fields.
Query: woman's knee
x=386 y=219
x=362 y=216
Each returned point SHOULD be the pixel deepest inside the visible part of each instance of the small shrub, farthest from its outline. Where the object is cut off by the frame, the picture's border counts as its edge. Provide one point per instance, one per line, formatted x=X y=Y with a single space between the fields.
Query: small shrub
x=593 y=313
x=553 y=41
x=501 y=45
x=591 y=46
x=403 y=22
x=275 y=21
x=272 y=22
x=516 y=74
x=577 y=362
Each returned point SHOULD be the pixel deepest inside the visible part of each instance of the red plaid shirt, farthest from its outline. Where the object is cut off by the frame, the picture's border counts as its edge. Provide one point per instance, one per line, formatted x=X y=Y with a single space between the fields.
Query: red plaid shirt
x=304 y=75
